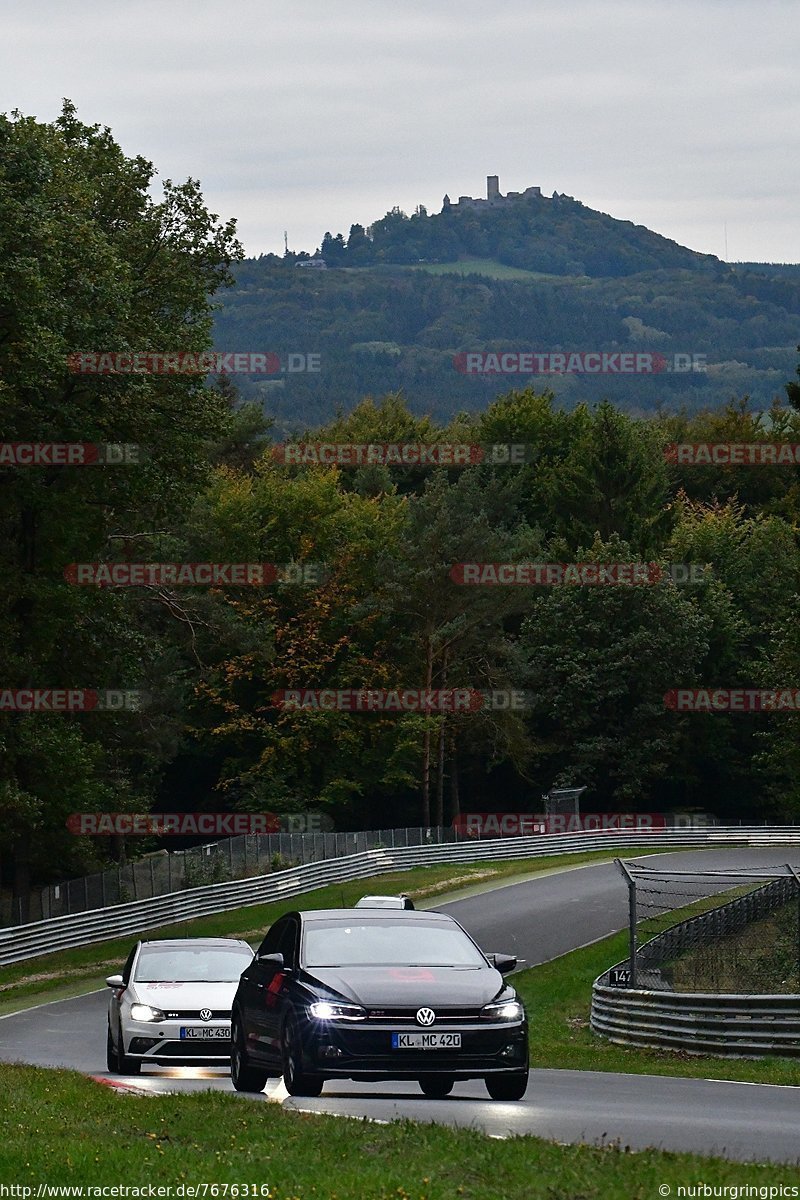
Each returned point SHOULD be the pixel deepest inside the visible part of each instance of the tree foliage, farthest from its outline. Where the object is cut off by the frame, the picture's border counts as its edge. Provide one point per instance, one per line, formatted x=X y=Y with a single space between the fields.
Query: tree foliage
x=89 y=261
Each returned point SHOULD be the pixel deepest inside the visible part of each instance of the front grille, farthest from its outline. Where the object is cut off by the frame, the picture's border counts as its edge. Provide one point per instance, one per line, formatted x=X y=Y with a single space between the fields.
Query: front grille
x=408 y=1016
x=193 y=1014
x=187 y=1049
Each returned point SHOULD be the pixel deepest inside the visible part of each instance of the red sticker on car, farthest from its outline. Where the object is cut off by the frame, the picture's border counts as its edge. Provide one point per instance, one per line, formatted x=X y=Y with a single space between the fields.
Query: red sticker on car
x=412 y=974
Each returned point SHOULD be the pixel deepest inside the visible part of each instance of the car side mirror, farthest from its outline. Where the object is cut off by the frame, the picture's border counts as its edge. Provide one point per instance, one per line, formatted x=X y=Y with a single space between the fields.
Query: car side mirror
x=115 y=981
x=276 y=958
x=503 y=962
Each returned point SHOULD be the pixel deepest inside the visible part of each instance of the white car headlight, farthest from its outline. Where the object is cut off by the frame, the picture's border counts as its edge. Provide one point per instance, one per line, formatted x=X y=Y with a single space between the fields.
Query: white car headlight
x=144 y=1012
x=324 y=1010
x=503 y=1010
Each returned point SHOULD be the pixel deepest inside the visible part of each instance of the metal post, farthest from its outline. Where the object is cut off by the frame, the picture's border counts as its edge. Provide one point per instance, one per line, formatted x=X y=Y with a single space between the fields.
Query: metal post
x=632 y=941
x=797 y=881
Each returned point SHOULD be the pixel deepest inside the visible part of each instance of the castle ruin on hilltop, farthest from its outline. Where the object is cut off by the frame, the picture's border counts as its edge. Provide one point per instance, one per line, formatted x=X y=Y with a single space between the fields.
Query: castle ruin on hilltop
x=493 y=197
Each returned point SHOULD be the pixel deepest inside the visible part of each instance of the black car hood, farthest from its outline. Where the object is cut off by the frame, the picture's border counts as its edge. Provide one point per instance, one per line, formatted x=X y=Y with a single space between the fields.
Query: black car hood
x=391 y=987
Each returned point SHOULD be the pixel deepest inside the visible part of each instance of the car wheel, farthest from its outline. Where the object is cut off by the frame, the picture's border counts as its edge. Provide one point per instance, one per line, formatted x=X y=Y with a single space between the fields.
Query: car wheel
x=126 y=1065
x=511 y=1086
x=436 y=1087
x=111 y=1053
x=244 y=1077
x=296 y=1081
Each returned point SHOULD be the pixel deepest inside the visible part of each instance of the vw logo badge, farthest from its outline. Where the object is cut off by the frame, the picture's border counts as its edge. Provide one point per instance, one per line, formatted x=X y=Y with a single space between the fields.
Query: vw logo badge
x=205 y=1014
x=425 y=1016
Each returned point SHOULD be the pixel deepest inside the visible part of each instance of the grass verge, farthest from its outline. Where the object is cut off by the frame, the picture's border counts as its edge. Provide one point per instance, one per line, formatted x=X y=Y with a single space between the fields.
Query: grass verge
x=761 y=957
x=73 y=972
x=58 y=1127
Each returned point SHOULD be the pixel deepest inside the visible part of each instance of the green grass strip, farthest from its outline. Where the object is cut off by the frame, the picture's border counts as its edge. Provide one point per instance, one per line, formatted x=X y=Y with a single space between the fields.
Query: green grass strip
x=58 y=1127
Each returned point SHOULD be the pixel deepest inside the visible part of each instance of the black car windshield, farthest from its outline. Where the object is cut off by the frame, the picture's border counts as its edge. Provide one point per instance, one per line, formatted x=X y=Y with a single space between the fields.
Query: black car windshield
x=179 y=964
x=388 y=943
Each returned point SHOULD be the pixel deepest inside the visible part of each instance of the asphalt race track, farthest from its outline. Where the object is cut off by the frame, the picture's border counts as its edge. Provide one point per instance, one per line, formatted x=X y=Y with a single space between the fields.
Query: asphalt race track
x=536 y=920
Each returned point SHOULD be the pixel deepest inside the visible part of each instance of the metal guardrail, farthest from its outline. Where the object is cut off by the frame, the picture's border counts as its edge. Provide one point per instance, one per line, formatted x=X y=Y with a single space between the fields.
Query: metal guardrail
x=80 y=929
x=699 y=1023
x=244 y=856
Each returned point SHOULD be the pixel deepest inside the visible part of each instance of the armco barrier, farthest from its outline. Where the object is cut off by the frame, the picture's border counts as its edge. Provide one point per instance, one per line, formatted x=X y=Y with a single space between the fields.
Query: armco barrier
x=698 y=1023
x=80 y=929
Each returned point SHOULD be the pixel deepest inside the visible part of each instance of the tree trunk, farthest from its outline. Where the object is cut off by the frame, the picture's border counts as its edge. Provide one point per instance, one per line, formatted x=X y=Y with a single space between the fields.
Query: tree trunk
x=426 y=744
x=455 y=797
x=440 y=757
x=440 y=775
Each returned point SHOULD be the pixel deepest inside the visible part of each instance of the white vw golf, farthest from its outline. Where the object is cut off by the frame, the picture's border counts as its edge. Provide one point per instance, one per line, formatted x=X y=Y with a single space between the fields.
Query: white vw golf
x=172 y=1003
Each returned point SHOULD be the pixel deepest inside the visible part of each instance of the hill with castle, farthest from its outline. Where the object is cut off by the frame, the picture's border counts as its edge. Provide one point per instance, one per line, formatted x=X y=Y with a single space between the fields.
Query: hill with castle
x=396 y=303
x=526 y=230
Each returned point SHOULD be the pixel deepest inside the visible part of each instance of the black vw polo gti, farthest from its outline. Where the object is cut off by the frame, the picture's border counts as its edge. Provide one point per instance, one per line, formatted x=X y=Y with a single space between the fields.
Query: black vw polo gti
x=376 y=994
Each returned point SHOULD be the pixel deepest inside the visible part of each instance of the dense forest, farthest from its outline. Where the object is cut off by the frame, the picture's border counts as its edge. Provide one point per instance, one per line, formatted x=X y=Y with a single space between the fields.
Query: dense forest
x=89 y=261
x=402 y=328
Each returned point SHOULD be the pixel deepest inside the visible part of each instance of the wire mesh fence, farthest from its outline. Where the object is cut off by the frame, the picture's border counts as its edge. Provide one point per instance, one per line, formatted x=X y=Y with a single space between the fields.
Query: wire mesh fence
x=233 y=858
x=743 y=937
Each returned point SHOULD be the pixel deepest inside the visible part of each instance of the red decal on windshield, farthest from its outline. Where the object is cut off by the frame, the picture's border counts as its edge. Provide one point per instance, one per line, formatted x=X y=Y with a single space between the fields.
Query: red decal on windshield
x=412 y=974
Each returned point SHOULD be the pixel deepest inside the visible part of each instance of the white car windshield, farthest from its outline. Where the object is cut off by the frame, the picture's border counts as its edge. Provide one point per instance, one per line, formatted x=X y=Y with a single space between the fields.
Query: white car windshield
x=388 y=943
x=178 y=964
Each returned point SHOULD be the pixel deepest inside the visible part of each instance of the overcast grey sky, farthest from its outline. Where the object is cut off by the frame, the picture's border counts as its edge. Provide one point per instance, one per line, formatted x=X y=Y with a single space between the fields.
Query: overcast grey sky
x=309 y=115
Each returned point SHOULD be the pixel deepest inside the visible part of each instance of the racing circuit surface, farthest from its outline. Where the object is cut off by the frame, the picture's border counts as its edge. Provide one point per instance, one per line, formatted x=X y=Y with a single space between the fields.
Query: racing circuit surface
x=536 y=920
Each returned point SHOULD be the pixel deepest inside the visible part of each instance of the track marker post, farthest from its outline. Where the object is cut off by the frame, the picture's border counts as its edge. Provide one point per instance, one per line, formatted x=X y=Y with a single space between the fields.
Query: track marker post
x=632 y=941
x=789 y=867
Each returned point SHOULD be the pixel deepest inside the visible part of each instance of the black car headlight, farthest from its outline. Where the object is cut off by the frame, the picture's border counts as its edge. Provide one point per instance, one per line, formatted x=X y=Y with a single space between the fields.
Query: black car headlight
x=145 y=1012
x=503 y=1010
x=332 y=1010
